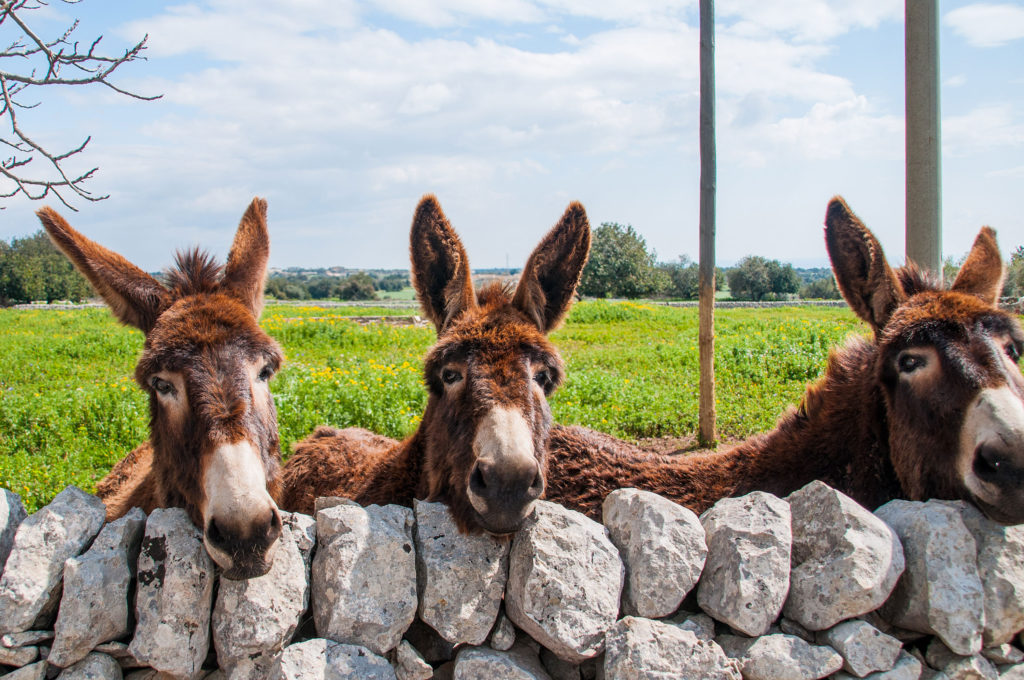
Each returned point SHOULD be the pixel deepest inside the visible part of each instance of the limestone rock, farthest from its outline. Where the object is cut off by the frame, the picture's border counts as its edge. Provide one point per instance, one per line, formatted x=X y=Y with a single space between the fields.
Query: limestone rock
x=791 y=627
x=18 y=656
x=460 y=579
x=957 y=667
x=93 y=667
x=663 y=548
x=36 y=671
x=364 y=575
x=640 y=648
x=1001 y=568
x=559 y=669
x=845 y=562
x=427 y=642
x=504 y=634
x=254 y=619
x=409 y=665
x=25 y=638
x=94 y=608
x=746 y=575
x=940 y=591
x=518 y=663
x=906 y=668
x=565 y=581
x=864 y=648
x=321 y=659
x=174 y=595
x=12 y=514
x=1003 y=655
x=786 y=657
x=31 y=583
x=1012 y=672
x=701 y=625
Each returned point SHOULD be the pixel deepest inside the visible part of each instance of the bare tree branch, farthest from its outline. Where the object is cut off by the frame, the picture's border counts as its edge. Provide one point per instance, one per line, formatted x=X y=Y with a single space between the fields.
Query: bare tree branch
x=61 y=62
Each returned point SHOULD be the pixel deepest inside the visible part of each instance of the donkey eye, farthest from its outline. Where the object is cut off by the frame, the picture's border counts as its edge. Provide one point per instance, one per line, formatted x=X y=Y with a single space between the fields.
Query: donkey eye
x=908 y=363
x=265 y=374
x=1013 y=351
x=543 y=378
x=162 y=386
x=450 y=376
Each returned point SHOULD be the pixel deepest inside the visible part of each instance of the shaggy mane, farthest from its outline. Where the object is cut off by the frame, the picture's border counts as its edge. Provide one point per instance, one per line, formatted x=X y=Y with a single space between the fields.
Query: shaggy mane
x=916 y=280
x=194 y=272
x=496 y=293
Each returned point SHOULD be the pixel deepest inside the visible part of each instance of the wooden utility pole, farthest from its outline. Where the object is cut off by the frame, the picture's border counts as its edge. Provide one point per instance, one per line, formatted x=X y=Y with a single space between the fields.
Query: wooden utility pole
x=924 y=168
x=708 y=172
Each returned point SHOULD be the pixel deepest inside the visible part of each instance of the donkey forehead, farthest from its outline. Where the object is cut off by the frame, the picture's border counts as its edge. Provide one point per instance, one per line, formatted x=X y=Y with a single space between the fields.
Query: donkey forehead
x=927 y=317
x=495 y=345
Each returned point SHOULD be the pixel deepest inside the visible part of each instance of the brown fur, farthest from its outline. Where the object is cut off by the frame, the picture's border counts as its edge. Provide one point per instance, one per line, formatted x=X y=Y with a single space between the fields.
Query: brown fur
x=494 y=341
x=203 y=325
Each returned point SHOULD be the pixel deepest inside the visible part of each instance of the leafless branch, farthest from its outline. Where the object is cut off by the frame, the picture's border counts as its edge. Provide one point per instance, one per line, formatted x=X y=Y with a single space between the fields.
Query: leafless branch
x=41 y=62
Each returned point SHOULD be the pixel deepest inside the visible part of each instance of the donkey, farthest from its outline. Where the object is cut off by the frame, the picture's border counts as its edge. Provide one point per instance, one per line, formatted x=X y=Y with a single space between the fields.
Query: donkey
x=482 y=443
x=213 y=448
x=931 y=407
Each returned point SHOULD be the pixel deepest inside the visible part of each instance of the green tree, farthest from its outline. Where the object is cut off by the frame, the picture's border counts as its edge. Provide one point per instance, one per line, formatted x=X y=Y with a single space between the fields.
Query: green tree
x=1014 y=284
x=393 y=282
x=757 y=278
x=358 y=286
x=32 y=268
x=620 y=264
x=820 y=289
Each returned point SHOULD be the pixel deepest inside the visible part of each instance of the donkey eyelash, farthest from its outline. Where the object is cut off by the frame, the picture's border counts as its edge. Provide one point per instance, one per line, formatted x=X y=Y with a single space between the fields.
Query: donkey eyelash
x=162 y=386
x=450 y=376
x=266 y=373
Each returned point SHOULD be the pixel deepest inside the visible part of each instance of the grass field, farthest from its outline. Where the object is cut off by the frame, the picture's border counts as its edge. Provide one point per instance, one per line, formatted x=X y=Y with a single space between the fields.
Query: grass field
x=69 y=407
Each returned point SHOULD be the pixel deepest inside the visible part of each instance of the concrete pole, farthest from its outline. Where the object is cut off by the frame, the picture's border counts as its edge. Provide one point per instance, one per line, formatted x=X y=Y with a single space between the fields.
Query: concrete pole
x=706 y=267
x=924 y=142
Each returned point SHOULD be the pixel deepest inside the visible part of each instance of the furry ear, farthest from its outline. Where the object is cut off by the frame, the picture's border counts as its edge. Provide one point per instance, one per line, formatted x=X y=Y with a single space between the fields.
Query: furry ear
x=245 y=273
x=551 y=274
x=440 y=268
x=864 y=277
x=135 y=297
x=982 y=272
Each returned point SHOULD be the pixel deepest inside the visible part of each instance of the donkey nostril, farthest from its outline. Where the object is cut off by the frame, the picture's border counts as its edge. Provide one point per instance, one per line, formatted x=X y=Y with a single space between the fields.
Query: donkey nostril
x=274 y=526
x=477 y=483
x=987 y=462
x=538 y=483
x=214 y=533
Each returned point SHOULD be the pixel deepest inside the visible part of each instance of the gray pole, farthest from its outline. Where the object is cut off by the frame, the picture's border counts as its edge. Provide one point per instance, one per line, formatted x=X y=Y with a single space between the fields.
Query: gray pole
x=924 y=142
x=706 y=267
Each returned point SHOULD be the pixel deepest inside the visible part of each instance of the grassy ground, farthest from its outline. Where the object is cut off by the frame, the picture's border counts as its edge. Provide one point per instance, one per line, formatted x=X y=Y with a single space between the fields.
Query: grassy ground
x=69 y=407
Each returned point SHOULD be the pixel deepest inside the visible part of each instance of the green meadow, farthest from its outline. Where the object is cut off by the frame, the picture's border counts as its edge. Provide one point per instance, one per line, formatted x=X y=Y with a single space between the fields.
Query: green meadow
x=70 y=408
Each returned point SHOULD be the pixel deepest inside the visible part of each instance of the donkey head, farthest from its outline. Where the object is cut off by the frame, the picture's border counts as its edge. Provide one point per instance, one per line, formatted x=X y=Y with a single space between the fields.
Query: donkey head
x=205 y=364
x=485 y=428
x=947 y=365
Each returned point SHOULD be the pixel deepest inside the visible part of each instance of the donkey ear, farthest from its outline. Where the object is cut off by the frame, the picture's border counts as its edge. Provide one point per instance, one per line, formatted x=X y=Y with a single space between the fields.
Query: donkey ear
x=440 y=268
x=245 y=273
x=864 y=277
x=550 y=276
x=135 y=297
x=982 y=271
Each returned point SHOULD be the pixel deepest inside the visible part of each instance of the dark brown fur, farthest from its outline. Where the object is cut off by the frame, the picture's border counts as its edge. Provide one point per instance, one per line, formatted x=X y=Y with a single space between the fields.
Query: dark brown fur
x=201 y=324
x=495 y=341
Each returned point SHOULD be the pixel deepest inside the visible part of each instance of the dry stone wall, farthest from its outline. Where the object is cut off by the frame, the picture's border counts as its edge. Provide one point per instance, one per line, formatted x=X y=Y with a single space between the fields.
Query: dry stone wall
x=759 y=587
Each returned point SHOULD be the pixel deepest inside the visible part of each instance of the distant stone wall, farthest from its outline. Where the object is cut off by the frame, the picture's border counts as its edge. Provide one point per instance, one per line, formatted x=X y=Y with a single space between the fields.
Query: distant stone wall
x=759 y=587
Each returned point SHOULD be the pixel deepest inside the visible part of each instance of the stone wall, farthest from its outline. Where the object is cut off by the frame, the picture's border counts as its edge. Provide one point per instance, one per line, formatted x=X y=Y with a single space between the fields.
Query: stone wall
x=810 y=586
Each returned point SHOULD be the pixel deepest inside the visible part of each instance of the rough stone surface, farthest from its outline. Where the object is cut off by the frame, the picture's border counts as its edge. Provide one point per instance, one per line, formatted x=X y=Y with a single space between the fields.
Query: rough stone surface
x=94 y=607
x=409 y=664
x=174 y=595
x=1002 y=655
x=957 y=667
x=565 y=581
x=93 y=667
x=504 y=634
x=12 y=514
x=845 y=560
x=746 y=575
x=1012 y=672
x=786 y=657
x=663 y=548
x=254 y=619
x=558 y=669
x=364 y=575
x=26 y=637
x=36 y=671
x=790 y=627
x=18 y=656
x=864 y=648
x=321 y=659
x=460 y=579
x=518 y=663
x=31 y=582
x=427 y=642
x=1001 y=568
x=640 y=648
x=940 y=591
x=906 y=668
x=701 y=625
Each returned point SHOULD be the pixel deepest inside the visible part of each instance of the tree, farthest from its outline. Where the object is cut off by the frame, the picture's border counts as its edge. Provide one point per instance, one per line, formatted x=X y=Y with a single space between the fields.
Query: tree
x=358 y=286
x=756 y=277
x=38 y=62
x=820 y=289
x=619 y=265
x=31 y=268
x=1014 y=285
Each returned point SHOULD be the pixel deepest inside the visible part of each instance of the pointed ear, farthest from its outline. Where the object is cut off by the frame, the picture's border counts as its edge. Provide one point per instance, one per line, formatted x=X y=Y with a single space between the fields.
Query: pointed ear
x=245 y=273
x=440 y=268
x=550 y=276
x=982 y=272
x=135 y=297
x=864 y=277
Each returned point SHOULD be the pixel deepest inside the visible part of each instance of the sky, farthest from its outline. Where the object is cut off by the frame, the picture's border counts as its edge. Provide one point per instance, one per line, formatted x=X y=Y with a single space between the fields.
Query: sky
x=343 y=114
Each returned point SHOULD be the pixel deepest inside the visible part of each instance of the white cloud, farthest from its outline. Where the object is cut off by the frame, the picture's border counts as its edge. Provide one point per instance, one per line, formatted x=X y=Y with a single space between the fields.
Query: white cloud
x=987 y=25
x=812 y=21
x=982 y=129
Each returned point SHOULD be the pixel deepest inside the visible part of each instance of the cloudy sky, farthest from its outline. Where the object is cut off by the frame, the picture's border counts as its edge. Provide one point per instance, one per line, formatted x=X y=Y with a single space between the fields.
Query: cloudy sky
x=343 y=113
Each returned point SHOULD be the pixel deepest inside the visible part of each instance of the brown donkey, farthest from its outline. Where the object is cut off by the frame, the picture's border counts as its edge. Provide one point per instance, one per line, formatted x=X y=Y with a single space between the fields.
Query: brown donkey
x=482 y=443
x=932 y=407
x=213 y=447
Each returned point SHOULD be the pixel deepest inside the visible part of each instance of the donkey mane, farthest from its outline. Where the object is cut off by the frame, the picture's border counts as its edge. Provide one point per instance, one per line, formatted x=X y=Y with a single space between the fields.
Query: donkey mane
x=195 y=272
x=915 y=280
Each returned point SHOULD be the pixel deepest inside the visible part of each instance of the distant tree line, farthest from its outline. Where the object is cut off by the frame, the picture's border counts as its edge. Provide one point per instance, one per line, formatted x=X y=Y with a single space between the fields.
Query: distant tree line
x=31 y=268
x=359 y=285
